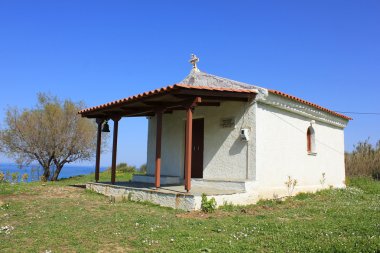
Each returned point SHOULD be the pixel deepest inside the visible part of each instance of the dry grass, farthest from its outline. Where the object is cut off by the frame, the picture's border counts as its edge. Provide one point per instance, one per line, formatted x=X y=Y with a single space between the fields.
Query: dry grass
x=364 y=160
x=58 y=217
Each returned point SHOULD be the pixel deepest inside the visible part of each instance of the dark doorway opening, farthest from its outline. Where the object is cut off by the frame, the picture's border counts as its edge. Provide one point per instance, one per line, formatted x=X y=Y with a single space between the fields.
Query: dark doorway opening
x=197 y=156
x=197 y=148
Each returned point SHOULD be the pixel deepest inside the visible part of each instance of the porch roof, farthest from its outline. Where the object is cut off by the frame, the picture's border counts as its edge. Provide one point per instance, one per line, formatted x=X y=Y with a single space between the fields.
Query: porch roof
x=172 y=97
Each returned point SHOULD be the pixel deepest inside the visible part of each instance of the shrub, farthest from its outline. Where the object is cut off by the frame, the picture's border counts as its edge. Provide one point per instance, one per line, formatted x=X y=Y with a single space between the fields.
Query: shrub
x=124 y=168
x=34 y=174
x=2 y=177
x=364 y=160
x=208 y=206
x=8 y=176
x=15 y=177
x=25 y=177
x=43 y=179
x=143 y=168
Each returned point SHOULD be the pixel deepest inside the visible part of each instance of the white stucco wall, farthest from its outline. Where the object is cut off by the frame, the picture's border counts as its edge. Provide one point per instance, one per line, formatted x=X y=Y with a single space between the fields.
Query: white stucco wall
x=277 y=148
x=282 y=151
x=225 y=154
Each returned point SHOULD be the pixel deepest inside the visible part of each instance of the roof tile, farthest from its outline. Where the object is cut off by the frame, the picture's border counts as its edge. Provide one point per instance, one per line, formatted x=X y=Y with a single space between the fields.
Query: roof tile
x=309 y=103
x=163 y=90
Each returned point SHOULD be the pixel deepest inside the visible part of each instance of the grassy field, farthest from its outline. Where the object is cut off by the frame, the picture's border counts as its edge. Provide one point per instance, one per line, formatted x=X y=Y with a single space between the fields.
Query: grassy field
x=58 y=217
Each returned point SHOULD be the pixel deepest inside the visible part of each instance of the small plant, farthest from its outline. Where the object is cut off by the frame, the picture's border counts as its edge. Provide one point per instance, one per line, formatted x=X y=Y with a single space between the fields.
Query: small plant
x=43 y=179
x=323 y=179
x=276 y=197
x=8 y=176
x=130 y=196
x=208 y=206
x=15 y=176
x=25 y=177
x=4 y=206
x=290 y=185
x=6 y=229
x=2 y=177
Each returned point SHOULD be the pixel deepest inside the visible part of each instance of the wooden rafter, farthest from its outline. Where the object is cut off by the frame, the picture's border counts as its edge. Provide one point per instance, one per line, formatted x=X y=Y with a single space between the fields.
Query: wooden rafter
x=146 y=104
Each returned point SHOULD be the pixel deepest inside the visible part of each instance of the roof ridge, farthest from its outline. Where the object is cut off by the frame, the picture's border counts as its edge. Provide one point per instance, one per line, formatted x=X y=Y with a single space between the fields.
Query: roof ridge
x=200 y=78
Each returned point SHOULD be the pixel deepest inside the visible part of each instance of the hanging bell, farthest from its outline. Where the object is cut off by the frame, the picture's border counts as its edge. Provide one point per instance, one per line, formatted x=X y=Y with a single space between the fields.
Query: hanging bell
x=106 y=127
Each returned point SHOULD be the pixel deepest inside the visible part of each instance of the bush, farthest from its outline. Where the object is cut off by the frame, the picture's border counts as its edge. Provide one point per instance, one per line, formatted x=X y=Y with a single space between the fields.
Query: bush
x=15 y=176
x=8 y=176
x=25 y=177
x=124 y=168
x=2 y=177
x=208 y=206
x=34 y=174
x=142 y=168
x=364 y=160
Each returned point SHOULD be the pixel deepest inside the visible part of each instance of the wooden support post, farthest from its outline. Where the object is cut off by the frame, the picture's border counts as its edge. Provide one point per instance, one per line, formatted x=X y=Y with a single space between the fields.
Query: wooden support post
x=158 y=148
x=114 y=148
x=188 y=149
x=189 y=141
x=98 y=145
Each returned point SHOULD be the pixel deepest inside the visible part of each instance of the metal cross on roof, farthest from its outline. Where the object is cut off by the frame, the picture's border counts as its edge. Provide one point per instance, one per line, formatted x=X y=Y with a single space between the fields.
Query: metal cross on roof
x=193 y=60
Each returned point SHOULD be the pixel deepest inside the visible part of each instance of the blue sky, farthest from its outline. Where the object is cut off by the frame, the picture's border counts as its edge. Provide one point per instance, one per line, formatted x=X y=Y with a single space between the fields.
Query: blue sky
x=327 y=52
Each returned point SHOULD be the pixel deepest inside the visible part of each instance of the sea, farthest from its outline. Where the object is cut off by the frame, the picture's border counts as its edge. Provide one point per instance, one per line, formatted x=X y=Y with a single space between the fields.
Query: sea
x=34 y=171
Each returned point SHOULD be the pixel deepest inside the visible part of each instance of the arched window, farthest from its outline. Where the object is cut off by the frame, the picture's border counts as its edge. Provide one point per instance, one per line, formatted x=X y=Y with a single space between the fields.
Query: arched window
x=310 y=135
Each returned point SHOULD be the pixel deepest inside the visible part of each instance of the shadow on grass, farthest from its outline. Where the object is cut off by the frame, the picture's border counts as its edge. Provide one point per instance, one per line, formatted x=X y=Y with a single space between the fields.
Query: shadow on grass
x=83 y=186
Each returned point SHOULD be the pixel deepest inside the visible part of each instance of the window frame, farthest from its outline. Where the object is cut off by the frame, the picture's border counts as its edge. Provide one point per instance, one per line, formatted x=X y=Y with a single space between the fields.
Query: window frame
x=310 y=141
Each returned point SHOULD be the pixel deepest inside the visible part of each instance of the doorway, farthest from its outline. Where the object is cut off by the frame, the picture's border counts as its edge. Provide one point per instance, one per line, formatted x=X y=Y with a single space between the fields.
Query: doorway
x=197 y=148
x=197 y=156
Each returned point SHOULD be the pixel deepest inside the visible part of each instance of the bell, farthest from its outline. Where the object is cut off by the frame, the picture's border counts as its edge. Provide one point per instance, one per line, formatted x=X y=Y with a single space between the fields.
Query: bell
x=106 y=128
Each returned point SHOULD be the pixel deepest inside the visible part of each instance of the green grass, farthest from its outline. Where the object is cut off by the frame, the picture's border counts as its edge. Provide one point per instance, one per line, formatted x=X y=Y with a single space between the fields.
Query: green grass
x=6 y=189
x=62 y=218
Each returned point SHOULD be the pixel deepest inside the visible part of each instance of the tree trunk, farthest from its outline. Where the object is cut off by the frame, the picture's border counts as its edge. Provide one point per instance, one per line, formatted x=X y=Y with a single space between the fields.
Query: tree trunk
x=46 y=173
x=56 y=173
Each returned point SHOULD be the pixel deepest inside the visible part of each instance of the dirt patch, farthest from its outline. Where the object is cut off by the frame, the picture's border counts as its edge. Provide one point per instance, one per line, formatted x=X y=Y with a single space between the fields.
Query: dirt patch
x=221 y=214
x=201 y=215
x=63 y=192
x=249 y=211
x=113 y=248
x=48 y=192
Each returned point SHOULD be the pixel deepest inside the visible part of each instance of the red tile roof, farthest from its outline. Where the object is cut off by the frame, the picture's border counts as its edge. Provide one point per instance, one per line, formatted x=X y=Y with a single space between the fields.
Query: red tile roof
x=185 y=86
x=163 y=90
x=309 y=103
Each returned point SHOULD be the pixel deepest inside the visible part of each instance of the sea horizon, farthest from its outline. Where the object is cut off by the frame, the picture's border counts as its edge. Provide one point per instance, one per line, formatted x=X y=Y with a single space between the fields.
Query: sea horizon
x=34 y=171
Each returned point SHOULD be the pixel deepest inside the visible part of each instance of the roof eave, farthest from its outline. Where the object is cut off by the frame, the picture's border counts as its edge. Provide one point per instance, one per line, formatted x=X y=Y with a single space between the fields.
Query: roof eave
x=176 y=89
x=282 y=94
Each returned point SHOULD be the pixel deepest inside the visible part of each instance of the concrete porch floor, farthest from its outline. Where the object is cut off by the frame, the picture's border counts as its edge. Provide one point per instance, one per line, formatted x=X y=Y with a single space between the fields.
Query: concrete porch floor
x=174 y=196
x=173 y=189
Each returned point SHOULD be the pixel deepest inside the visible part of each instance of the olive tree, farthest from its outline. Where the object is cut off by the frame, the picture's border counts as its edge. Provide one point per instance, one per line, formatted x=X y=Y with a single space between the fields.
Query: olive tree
x=52 y=133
